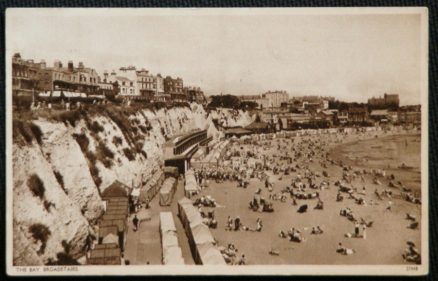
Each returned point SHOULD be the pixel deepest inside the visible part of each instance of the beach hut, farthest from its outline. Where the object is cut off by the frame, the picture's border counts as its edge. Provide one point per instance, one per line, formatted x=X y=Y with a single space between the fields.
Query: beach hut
x=169 y=239
x=185 y=209
x=171 y=252
x=181 y=203
x=201 y=234
x=191 y=186
x=210 y=255
x=167 y=191
x=166 y=222
x=173 y=256
x=151 y=188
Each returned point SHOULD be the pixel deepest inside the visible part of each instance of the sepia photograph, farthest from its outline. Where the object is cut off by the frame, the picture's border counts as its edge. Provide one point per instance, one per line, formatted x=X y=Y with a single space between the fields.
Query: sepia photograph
x=201 y=141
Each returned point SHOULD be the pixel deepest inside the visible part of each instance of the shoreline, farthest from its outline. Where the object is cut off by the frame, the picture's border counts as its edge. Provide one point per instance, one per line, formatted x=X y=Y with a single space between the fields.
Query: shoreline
x=411 y=175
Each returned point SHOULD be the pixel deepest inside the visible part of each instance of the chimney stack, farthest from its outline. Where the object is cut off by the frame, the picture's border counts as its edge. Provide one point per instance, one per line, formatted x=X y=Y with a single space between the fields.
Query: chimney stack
x=57 y=64
x=81 y=65
x=70 y=66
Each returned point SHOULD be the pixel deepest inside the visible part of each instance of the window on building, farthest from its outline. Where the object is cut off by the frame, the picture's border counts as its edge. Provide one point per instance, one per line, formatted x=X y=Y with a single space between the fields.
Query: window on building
x=131 y=84
x=123 y=83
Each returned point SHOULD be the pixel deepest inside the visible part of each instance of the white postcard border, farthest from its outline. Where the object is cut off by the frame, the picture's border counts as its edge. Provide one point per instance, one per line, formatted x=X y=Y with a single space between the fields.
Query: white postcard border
x=408 y=269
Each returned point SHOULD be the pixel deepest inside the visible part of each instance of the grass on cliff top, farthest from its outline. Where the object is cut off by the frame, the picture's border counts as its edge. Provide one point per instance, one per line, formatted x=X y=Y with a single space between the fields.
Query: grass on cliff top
x=72 y=116
x=24 y=131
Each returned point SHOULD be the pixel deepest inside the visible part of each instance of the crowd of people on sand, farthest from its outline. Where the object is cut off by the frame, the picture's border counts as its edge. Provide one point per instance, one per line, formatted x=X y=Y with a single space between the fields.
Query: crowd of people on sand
x=295 y=155
x=412 y=254
x=231 y=255
x=236 y=225
x=208 y=217
x=293 y=234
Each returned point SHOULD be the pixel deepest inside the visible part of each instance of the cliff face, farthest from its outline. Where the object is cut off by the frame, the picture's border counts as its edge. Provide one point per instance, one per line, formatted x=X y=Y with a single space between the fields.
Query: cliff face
x=43 y=221
x=58 y=177
x=232 y=118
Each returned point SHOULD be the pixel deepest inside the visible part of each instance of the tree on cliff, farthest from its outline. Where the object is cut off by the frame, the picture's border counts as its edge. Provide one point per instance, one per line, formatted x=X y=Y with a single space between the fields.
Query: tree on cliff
x=248 y=105
x=227 y=101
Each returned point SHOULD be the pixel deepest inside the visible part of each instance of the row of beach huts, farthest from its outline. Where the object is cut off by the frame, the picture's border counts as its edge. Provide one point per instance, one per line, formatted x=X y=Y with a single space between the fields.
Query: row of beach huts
x=113 y=225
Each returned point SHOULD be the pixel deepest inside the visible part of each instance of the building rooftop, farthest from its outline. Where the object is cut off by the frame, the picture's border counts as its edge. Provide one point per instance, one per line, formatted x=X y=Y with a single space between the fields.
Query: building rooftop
x=116 y=189
x=328 y=112
x=176 y=138
x=122 y=78
x=238 y=131
x=257 y=125
x=357 y=109
x=379 y=112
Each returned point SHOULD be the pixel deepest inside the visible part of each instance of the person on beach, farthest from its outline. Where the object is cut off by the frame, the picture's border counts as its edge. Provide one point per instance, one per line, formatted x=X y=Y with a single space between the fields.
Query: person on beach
x=135 y=222
x=364 y=234
x=389 y=207
x=356 y=229
x=229 y=225
x=147 y=204
x=242 y=260
x=237 y=224
x=259 y=225
x=319 y=230
x=343 y=250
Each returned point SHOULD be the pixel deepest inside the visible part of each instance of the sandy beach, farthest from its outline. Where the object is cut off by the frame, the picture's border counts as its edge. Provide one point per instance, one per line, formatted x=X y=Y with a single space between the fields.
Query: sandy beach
x=388 y=232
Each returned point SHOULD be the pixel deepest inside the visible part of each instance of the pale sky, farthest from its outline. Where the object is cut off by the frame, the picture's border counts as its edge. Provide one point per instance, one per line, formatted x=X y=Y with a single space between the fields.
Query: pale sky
x=350 y=57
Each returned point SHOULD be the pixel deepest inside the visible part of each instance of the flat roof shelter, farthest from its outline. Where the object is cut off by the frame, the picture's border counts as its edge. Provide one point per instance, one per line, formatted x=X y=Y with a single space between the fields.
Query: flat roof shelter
x=259 y=127
x=105 y=254
x=119 y=216
x=105 y=230
x=179 y=150
x=238 y=132
x=119 y=223
x=117 y=211
x=181 y=143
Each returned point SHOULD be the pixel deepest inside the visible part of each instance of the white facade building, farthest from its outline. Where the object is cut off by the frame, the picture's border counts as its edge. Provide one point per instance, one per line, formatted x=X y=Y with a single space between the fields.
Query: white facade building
x=126 y=85
x=275 y=98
